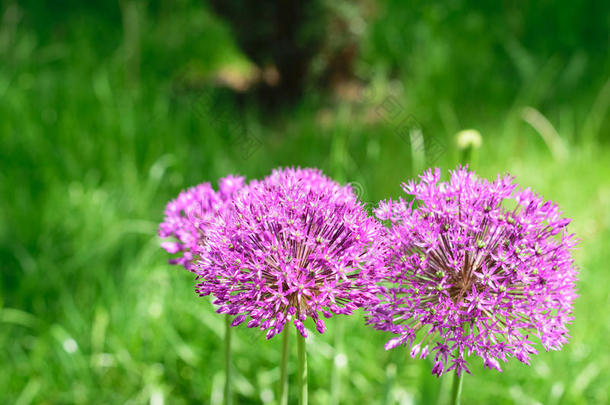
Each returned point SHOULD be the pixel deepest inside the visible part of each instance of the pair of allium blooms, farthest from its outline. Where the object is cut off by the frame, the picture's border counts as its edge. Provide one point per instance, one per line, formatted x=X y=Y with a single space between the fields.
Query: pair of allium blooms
x=458 y=271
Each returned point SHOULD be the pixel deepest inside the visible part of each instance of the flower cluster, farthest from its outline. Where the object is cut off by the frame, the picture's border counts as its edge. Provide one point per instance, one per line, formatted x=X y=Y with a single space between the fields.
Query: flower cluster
x=190 y=215
x=289 y=247
x=477 y=267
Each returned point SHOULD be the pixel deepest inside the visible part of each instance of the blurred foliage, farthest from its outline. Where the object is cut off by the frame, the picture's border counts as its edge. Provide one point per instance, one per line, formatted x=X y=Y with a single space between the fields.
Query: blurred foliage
x=110 y=108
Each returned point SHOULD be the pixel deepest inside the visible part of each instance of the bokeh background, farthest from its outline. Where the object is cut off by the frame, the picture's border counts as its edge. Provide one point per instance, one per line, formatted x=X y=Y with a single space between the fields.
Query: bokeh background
x=108 y=109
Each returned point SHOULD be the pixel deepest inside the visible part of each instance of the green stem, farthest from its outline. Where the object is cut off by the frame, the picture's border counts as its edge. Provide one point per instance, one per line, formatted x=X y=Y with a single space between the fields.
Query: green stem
x=302 y=375
x=456 y=390
x=283 y=394
x=228 y=371
x=466 y=156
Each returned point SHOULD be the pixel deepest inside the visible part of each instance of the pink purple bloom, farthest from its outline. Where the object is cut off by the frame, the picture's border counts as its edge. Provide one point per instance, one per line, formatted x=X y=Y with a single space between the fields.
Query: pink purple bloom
x=477 y=267
x=190 y=215
x=293 y=246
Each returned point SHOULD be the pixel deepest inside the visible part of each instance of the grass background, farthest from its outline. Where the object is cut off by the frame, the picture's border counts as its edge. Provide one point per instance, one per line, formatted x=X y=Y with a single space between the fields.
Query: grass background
x=95 y=139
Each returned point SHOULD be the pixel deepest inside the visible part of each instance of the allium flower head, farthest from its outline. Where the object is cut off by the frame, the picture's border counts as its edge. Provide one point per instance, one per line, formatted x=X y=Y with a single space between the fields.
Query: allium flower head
x=477 y=267
x=188 y=217
x=292 y=246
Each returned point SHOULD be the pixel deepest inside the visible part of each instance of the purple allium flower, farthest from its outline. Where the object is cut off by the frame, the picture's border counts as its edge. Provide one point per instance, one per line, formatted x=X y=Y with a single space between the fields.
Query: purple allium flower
x=477 y=267
x=188 y=217
x=292 y=246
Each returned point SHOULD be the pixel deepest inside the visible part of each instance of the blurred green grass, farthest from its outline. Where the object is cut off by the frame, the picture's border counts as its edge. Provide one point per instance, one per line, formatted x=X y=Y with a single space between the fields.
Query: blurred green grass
x=91 y=313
